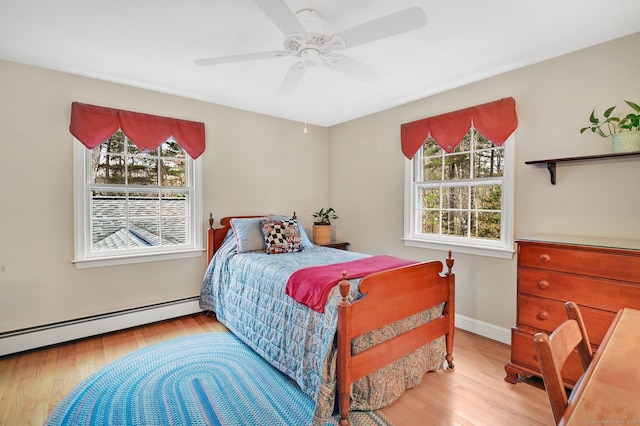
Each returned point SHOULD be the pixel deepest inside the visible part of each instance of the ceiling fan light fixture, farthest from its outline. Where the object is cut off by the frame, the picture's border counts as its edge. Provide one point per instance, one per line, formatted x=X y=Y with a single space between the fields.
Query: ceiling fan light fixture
x=310 y=56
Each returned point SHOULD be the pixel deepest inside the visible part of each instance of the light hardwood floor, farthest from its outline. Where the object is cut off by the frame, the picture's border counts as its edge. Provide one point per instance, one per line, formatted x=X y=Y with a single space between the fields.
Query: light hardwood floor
x=32 y=383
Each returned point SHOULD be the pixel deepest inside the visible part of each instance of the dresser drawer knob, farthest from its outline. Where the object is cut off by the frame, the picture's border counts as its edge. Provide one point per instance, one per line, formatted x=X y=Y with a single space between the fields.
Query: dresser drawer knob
x=543 y=284
x=544 y=258
x=542 y=315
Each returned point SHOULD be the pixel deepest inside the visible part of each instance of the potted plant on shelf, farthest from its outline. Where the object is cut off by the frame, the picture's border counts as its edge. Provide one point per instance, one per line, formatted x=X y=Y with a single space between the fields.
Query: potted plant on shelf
x=624 y=131
x=322 y=225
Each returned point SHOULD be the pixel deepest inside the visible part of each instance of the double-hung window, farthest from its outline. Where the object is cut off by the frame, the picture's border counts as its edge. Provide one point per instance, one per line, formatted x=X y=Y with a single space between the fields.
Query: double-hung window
x=134 y=205
x=462 y=199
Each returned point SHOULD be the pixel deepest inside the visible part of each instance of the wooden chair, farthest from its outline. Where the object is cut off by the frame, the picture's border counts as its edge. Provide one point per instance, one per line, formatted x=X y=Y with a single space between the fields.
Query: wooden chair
x=554 y=350
x=584 y=350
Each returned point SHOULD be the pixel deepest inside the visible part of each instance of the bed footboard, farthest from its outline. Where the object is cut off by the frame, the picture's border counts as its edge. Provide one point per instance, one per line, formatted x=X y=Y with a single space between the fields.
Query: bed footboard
x=390 y=296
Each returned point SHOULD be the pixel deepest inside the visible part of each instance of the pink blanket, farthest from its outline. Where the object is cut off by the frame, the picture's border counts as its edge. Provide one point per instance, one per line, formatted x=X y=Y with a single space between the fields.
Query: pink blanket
x=311 y=286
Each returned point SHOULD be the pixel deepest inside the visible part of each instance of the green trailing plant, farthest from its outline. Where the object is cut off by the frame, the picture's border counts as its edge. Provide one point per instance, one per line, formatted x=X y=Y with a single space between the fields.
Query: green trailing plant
x=324 y=216
x=611 y=124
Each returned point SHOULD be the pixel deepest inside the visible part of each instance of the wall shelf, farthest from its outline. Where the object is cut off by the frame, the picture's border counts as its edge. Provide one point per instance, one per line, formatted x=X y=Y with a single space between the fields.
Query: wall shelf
x=551 y=163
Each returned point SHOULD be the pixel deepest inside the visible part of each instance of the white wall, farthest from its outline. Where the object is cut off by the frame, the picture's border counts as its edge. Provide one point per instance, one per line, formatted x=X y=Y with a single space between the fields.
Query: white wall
x=253 y=164
x=355 y=167
x=553 y=101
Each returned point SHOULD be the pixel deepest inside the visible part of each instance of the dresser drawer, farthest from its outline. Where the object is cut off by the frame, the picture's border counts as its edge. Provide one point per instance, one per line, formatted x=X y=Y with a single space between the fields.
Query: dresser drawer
x=613 y=264
x=547 y=315
x=603 y=294
x=523 y=352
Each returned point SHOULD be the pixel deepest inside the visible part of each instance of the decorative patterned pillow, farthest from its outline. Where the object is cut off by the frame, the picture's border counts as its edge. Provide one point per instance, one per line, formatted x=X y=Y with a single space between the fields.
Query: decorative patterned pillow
x=281 y=236
x=306 y=242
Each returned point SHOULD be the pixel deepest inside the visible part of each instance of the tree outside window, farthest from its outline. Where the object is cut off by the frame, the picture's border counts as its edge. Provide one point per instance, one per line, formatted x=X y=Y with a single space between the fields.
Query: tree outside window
x=458 y=197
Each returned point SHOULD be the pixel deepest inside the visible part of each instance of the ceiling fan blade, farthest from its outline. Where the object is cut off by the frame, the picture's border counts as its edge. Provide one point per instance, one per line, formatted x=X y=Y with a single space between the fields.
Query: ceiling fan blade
x=292 y=79
x=281 y=15
x=356 y=69
x=397 y=23
x=237 y=58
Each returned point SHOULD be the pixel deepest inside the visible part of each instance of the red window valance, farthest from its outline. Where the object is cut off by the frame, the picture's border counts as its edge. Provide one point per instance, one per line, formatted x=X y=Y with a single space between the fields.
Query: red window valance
x=495 y=120
x=92 y=125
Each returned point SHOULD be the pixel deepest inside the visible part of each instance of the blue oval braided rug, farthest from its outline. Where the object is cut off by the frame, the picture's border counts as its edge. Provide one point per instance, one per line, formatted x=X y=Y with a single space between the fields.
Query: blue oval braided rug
x=204 y=379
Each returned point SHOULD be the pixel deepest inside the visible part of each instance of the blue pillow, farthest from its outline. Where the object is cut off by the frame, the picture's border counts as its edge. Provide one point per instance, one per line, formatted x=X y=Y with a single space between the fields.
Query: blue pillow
x=306 y=242
x=249 y=234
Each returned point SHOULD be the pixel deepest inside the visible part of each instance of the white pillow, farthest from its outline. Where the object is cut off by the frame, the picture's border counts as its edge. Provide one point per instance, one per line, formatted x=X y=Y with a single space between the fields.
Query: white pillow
x=249 y=234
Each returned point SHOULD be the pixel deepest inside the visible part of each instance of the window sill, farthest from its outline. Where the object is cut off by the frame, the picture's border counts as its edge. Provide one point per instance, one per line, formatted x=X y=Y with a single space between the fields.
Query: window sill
x=136 y=258
x=498 y=252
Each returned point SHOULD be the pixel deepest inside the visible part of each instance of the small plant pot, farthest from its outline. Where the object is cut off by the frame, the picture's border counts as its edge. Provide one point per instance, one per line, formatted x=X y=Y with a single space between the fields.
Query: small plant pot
x=322 y=234
x=625 y=142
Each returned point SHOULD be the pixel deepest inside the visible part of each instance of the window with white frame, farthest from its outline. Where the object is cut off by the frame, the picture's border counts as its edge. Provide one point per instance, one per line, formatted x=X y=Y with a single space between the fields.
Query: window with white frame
x=133 y=205
x=461 y=200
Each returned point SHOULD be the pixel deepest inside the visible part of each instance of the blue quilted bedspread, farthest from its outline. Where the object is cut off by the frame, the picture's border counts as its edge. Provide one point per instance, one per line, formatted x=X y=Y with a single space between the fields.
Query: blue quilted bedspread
x=247 y=293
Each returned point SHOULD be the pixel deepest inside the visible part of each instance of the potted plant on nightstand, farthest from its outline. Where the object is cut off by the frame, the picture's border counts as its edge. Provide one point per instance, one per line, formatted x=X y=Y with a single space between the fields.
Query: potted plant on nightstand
x=624 y=131
x=322 y=225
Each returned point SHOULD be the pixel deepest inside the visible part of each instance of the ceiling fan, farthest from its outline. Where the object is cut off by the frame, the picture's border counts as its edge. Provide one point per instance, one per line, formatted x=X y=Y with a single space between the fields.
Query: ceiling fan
x=311 y=39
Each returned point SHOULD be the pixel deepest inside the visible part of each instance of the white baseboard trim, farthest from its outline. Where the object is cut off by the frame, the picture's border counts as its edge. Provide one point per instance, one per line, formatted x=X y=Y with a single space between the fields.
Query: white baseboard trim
x=23 y=340
x=36 y=337
x=484 y=329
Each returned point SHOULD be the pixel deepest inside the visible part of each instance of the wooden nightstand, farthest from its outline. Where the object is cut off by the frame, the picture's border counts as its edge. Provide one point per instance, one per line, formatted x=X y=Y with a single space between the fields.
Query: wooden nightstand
x=337 y=245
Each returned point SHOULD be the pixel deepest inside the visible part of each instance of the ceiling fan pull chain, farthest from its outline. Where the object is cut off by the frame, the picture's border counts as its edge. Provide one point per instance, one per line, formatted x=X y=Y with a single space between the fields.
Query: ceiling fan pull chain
x=305 y=110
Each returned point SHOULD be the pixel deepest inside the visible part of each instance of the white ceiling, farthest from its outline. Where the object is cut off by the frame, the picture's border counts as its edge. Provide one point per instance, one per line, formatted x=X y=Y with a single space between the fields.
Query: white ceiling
x=153 y=44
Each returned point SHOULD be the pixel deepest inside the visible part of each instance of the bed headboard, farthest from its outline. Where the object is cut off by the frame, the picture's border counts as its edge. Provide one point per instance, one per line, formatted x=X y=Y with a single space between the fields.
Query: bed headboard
x=215 y=236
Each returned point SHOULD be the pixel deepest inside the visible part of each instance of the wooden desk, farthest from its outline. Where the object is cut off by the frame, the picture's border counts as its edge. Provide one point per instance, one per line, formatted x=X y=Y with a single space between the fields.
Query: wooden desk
x=609 y=391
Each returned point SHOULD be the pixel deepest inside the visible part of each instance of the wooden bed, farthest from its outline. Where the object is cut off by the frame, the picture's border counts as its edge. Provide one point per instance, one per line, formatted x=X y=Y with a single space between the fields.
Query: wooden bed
x=415 y=288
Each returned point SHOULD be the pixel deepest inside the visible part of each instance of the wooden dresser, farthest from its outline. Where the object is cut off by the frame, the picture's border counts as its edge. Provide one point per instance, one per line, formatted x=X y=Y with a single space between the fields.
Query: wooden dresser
x=600 y=275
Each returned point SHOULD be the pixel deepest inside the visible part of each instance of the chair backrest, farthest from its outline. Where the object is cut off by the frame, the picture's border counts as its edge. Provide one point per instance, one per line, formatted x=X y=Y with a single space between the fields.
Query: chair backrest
x=553 y=352
x=584 y=348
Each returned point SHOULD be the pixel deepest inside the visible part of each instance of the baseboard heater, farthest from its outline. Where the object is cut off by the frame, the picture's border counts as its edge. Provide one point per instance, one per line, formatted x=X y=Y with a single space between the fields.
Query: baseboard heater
x=51 y=334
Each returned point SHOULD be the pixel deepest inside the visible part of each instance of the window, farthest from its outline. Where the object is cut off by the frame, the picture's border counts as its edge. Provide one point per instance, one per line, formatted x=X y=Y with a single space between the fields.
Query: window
x=462 y=199
x=133 y=205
